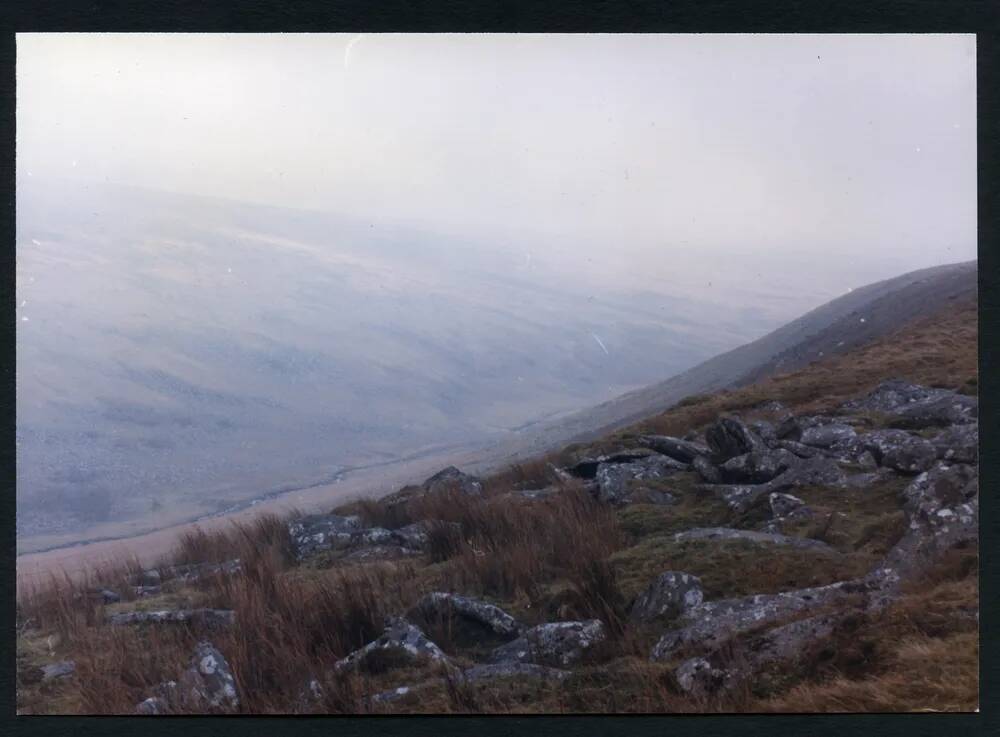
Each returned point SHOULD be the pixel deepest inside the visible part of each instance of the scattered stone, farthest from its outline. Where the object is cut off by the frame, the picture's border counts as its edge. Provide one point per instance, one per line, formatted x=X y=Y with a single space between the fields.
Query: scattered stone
x=200 y=617
x=954 y=409
x=893 y=395
x=451 y=479
x=728 y=533
x=958 y=444
x=708 y=471
x=586 y=468
x=149 y=577
x=401 y=638
x=62 y=669
x=809 y=472
x=696 y=676
x=728 y=437
x=416 y=535
x=758 y=467
x=670 y=595
x=867 y=461
x=765 y=431
x=783 y=505
x=321 y=532
x=800 y=450
x=208 y=683
x=143 y=592
x=899 y=450
x=554 y=643
x=826 y=435
x=681 y=450
x=614 y=479
x=440 y=604
x=713 y=622
x=943 y=486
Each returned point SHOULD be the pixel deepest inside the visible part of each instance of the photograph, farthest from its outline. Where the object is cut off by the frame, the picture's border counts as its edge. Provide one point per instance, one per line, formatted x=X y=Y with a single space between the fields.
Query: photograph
x=409 y=373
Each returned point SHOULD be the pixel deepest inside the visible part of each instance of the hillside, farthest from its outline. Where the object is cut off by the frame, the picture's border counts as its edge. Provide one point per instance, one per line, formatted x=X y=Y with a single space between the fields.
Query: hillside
x=804 y=541
x=836 y=327
x=182 y=356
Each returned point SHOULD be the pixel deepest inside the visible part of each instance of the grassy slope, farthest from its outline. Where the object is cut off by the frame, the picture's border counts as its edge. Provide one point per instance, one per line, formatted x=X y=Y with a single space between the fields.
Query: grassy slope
x=562 y=558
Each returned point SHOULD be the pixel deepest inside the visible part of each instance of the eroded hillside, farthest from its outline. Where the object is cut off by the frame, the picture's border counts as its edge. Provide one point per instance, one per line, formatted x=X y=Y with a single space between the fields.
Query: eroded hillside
x=804 y=543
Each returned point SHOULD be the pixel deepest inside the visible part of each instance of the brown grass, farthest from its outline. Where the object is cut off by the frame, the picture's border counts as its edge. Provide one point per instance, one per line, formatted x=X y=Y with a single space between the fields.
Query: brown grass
x=562 y=557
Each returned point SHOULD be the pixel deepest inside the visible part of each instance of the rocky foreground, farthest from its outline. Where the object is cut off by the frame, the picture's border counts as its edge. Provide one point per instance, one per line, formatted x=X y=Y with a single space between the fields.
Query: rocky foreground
x=768 y=482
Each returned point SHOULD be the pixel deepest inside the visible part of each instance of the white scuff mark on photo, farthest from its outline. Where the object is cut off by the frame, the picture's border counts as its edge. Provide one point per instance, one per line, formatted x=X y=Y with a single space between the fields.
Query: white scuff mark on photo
x=603 y=347
x=347 y=49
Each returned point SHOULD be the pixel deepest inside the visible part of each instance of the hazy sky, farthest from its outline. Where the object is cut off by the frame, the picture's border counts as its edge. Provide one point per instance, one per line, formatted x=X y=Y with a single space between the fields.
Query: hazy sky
x=828 y=149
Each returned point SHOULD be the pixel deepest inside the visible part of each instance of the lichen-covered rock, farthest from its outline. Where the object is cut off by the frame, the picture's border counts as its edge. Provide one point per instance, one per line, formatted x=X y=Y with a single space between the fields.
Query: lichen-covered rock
x=826 y=435
x=402 y=638
x=149 y=577
x=943 y=486
x=708 y=471
x=208 y=618
x=866 y=460
x=415 y=535
x=758 y=467
x=670 y=595
x=800 y=450
x=684 y=451
x=765 y=431
x=615 y=481
x=322 y=532
x=783 y=505
x=587 y=466
x=553 y=643
x=698 y=677
x=817 y=471
x=728 y=437
x=899 y=450
x=893 y=395
x=728 y=533
x=206 y=686
x=439 y=604
x=208 y=683
x=713 y=622
x=958 y=444
x=952 y=409
x=452 y=479
x=928 y=538
x=809 y=472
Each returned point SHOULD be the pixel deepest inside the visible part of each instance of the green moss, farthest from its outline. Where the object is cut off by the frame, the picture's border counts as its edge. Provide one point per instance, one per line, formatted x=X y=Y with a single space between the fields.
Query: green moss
x=733 y=567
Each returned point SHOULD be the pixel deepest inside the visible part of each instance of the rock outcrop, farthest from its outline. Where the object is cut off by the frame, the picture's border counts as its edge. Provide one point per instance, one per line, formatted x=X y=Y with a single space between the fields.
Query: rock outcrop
x=442 y=605
x=401 y=639
x=670 y=595
x=208 y=618
x=554 y=643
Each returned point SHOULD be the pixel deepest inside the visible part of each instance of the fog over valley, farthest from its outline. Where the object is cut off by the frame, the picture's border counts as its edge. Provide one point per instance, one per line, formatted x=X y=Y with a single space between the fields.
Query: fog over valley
x=235 y=278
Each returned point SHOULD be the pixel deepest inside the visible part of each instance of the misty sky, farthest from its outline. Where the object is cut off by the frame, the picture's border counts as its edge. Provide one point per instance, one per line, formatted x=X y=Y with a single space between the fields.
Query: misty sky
x=851 y=158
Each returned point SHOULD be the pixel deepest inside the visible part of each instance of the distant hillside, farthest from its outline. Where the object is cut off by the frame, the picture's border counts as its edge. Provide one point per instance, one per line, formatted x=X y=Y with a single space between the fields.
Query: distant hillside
x=834 y=328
